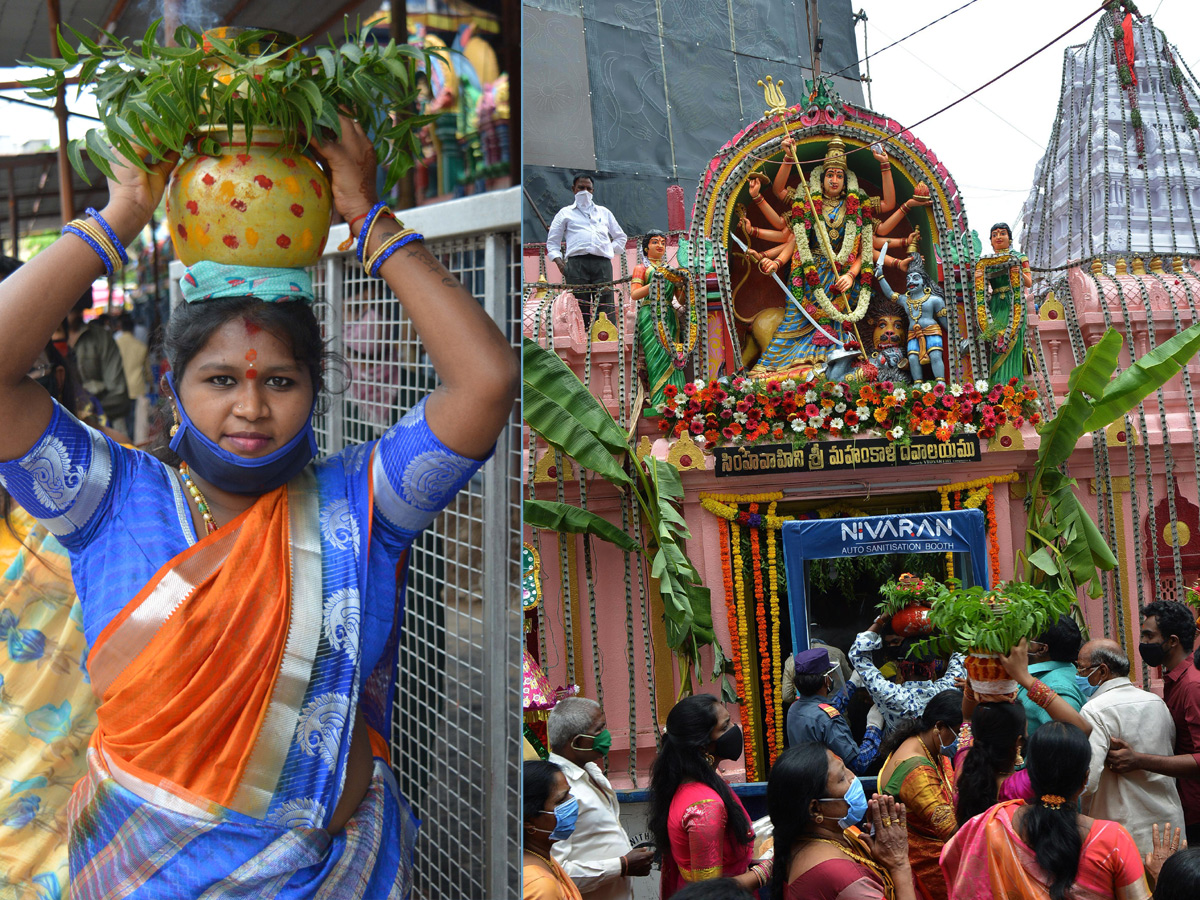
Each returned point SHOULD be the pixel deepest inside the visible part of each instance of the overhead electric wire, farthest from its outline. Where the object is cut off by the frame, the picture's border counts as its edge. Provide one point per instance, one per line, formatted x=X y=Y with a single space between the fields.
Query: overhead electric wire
x=903 y=39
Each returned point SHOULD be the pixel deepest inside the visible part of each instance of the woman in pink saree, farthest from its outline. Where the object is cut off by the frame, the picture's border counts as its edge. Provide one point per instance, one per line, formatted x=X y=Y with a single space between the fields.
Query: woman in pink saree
x=993 y=856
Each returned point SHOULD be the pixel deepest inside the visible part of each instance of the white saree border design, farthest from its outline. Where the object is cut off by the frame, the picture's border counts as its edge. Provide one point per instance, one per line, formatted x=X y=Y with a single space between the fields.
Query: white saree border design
x=108 y=659
x=267 y=759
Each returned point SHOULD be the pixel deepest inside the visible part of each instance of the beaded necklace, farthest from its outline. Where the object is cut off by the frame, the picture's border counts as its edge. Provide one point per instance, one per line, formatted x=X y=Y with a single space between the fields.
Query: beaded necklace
x=210 y=524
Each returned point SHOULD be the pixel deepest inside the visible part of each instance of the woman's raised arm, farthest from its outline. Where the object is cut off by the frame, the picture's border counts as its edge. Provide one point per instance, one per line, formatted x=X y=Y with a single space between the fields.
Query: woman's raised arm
x=36 y=298
x=478 y=368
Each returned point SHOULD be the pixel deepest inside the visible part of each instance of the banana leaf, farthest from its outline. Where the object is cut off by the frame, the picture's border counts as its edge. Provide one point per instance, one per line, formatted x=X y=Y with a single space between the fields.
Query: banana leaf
x=545 y=373
x=1144 y=376
x=569 y=519
x=559 y=427
x=1088 y=379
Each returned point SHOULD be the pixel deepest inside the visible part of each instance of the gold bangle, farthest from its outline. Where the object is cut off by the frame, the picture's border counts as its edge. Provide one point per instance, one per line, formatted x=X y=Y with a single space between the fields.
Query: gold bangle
x=96 y=233
x=386 y=211
x=387 y=242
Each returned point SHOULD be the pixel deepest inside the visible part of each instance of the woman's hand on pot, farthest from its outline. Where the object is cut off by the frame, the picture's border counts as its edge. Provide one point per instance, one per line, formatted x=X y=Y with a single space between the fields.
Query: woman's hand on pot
x=1016 y=662
x=352 y=163
x=134 y=193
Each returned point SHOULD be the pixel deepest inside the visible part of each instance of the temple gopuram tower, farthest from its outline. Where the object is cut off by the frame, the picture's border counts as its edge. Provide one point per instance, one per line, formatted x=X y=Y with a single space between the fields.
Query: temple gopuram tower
x=1121 y=173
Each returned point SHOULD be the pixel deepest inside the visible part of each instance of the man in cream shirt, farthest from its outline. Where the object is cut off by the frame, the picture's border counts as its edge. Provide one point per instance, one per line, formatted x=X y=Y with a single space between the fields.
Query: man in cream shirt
x=597 y=855
x=1117 y=708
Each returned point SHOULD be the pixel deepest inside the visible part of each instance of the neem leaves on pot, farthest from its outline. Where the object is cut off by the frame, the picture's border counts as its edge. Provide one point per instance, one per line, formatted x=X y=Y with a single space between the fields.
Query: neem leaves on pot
x=158 y=98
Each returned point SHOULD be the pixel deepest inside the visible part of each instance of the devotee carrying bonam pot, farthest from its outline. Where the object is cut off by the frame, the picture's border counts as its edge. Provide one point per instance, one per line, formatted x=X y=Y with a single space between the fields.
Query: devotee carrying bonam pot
x=239 y=599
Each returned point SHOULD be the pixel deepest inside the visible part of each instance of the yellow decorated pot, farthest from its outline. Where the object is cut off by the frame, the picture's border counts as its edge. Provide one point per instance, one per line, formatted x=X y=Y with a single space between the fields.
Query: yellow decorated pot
x=262 y=204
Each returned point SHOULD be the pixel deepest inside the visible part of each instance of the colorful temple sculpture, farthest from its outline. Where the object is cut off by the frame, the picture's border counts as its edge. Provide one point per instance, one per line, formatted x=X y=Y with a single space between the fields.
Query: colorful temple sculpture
x=828 y=340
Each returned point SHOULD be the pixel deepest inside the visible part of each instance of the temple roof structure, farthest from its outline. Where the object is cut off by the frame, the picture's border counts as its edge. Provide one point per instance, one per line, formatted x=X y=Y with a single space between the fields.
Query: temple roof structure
x=1121 y=173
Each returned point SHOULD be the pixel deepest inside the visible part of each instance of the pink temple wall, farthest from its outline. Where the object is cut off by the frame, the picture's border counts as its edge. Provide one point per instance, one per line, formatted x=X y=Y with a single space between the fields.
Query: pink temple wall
x=619 y=669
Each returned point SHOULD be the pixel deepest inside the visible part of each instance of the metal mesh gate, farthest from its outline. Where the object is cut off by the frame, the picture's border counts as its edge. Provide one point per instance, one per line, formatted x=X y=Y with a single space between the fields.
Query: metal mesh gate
x=456 y=728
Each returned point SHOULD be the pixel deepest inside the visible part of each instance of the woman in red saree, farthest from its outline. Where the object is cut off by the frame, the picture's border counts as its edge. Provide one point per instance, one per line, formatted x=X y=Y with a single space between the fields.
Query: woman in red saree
x=918 y=773
x=699 y=824
x=1042 y=849
x=816 y=804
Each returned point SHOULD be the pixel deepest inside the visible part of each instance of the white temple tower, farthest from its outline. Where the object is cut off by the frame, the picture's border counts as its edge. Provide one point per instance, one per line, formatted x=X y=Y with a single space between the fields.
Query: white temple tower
x=1121 y=173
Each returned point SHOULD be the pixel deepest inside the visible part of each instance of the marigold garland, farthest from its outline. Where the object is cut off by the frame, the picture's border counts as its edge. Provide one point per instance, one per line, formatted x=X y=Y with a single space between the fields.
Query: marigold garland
x=764 y=639
x=731 y=610
x=979 y=490
x=1002 y=336
x=776 y=652
x=750 y=734
x=725 y=506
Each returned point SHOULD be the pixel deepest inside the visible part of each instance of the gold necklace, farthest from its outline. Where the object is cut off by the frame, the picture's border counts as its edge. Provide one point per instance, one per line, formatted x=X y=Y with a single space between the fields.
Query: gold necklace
x=889 y=887
x=549 y=865
x=915 y=303
x=941 y=773
x=210 y=524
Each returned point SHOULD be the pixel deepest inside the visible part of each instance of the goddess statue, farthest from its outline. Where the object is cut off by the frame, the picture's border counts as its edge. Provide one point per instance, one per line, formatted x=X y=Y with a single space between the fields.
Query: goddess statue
x=820 y=237
x=658 y=329
x=1001 y=316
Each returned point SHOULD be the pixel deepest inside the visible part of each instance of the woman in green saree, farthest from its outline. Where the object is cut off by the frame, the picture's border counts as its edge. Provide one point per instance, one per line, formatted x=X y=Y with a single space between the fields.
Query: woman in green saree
x=918 y=772
x=658 y=328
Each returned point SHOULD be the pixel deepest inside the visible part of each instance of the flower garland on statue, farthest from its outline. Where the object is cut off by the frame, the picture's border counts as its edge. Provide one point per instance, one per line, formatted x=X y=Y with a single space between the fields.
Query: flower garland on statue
x=1001 y=337
x=764 y=639
x=750 y=735
x=743 y=411
x=675 y=349
x=853 y=213
x=776 y=652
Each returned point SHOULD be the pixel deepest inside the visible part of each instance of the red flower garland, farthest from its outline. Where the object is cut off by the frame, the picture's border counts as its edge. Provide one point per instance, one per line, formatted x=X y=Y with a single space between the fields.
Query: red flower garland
x=731 y=607
x=764 y=639
x=993 y=536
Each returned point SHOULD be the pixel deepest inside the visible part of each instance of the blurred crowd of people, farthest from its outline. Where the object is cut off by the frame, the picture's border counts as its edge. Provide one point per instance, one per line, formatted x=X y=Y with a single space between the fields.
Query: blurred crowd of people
x=1081 y=785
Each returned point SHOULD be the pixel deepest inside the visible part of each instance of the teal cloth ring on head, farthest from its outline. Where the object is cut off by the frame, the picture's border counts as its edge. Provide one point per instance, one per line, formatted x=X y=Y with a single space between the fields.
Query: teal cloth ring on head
x=208 y=280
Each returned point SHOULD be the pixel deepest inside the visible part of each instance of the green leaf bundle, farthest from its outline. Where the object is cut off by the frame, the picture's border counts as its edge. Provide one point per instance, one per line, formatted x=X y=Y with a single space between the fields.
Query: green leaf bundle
x=154 y=99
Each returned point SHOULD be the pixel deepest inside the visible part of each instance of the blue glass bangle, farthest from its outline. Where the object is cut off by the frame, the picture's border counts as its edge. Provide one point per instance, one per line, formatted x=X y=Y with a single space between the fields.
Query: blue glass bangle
x=91 y=242
x=112 y=235
x=366 y=229
x=407 y=239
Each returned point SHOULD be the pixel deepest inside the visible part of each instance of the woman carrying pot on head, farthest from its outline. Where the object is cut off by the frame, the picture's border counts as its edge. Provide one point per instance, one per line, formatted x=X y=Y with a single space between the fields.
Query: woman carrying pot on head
x=816 y=805
x=241 y=606
x=1042 y=849
x=699 y=824
x=988 y=763
x=549 y=813
x=918 y=772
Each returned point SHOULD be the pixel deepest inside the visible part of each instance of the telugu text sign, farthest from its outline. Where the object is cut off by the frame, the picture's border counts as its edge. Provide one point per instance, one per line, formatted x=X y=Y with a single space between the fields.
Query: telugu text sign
x=833 y=456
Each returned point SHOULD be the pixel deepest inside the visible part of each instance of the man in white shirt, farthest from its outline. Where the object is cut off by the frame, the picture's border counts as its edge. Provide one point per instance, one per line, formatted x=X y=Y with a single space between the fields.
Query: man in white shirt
x=597 y=855
x=592 y=237
x=1120 y=709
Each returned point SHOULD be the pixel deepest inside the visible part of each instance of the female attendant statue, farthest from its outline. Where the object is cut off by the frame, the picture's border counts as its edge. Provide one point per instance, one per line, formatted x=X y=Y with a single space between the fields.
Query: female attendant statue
x=825 y=238
x=1001 y=316
x=657 y=325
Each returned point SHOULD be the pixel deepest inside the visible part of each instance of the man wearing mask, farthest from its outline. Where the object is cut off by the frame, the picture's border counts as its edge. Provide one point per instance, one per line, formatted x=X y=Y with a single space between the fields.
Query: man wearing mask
x=1118 y=709
x=810 y=718
x=1168 y=634
x=1052 y=656
x=597 y=856
x=592 y=238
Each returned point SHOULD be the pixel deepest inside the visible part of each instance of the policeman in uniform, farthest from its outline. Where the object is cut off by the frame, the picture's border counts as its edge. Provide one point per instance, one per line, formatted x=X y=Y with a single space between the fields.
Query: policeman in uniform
x=811 y=718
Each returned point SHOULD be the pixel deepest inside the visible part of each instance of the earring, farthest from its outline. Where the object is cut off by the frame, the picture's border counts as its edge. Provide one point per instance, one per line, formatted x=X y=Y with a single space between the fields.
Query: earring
x=818 y=818
x=175 y=416
x=710 y=759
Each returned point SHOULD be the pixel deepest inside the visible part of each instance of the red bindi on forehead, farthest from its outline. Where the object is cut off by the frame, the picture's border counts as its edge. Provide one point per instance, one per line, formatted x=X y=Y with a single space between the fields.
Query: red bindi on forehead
x=251 y=356
x=251 y=328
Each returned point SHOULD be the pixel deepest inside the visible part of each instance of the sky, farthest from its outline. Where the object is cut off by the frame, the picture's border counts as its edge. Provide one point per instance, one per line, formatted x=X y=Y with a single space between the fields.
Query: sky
x=990 y=143
x=19 y=124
